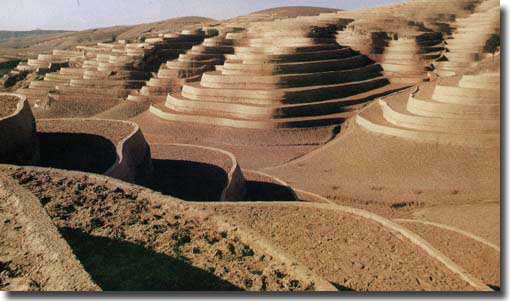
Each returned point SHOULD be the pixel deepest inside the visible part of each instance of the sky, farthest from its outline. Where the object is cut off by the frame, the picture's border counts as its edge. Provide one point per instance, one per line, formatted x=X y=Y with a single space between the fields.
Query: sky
x=85 y=14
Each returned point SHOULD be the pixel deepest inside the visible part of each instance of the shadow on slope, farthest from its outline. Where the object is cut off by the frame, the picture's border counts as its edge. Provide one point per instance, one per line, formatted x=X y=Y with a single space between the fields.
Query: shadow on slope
x=187 y=180
x=260 y=191
x=203 y=182
x=123 y=266
x=82 y=152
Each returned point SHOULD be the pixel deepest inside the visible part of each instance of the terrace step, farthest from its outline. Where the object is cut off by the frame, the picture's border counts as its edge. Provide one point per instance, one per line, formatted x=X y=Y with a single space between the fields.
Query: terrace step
x=165 y=113
x=440 y=112
x=195 y=91
x=376 y=123
x=178 y=103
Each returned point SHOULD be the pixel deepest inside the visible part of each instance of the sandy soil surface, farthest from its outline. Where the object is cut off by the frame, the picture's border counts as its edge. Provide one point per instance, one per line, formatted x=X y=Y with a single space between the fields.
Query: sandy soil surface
x=362 y=168
x=351 y=252
x=17 y=268
x=8 y=105
x=477 y=258
x=127 y=241
x=480 y=219
x=253 y=148
x=114 y=131
x=75 y=108
x=124 y=110
x=33 y=256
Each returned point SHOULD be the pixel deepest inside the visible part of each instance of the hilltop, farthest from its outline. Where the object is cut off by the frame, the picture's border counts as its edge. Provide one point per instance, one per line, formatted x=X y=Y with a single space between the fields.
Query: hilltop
x=285 y=12
x=294 y=11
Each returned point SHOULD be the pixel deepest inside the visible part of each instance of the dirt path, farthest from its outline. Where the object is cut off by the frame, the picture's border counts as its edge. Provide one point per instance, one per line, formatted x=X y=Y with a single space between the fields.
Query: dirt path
x=476 y=258
x=375 y=260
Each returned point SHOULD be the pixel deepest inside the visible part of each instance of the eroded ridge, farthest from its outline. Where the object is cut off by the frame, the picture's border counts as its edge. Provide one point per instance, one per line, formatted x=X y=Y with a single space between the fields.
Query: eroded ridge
x=18 y=141
x=34 y=255
x=457 y=110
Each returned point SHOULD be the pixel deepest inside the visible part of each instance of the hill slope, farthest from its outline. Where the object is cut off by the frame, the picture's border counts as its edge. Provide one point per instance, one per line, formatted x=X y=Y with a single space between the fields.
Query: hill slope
x=7 y=34
x=28 y=46
x=294 y=11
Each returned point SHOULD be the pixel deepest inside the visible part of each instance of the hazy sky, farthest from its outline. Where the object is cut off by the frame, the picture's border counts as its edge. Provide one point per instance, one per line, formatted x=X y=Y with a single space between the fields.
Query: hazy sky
x=83 y=14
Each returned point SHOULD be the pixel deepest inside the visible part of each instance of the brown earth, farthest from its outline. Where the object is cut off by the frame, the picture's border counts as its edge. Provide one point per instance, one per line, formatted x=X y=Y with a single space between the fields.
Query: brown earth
x=128 y=241
x=478 y=259
x=160 y=238
x=400 y=173
x=482 y=219
x=114 y=131
x=16 y=268
x=33 y=256
x=8 y=105
x=254 y=149
x=295 y=11
x=352 y=253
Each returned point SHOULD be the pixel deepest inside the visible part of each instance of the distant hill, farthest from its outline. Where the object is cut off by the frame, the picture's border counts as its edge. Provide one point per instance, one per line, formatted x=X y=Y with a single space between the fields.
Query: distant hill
x=175 y=24
x=6 y=34
x=31 y=45
x=295 y=11
x=28 y=44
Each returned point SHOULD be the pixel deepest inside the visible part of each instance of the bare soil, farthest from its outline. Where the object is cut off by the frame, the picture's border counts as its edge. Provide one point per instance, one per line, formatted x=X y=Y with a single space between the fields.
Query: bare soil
x=400 y=174
x=8 y=105
x=114 y=131
x=253 y=149
x=124 y=110
x=127 y=241
x=350 y=252
x=17 y=270
x=130 y=238
x=75 y=108
x=482 y=219
x=477 y=258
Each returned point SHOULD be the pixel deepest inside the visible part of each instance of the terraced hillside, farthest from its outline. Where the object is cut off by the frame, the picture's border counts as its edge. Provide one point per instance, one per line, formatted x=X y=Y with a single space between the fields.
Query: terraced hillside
x=296 y=149
x=307 y=80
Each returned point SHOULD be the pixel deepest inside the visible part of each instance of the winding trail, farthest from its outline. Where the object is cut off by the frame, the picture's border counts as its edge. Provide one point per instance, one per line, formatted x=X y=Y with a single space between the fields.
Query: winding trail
x=393 y=226
x=453 y=229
